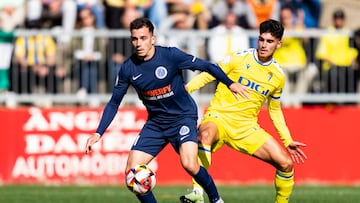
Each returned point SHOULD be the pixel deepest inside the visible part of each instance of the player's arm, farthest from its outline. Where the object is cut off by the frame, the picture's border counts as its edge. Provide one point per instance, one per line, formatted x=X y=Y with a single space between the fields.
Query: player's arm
x=187 y=61
x=108 y=115
x=204 y=78
x=199 y=81
x=109 y=112
x=277 y=118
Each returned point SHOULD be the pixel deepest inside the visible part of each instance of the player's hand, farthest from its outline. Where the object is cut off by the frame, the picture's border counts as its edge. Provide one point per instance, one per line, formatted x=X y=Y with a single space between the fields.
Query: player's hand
x=90 y=141
x=240 y=89
x=297 y=155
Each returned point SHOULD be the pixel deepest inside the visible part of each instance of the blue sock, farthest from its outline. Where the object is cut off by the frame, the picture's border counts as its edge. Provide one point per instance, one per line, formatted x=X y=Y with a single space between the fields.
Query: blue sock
x=205 y=180
x=147 y=198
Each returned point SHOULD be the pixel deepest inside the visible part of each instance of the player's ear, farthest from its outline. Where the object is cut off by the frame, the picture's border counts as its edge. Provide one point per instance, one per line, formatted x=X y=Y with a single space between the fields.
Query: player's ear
x=153 y=40
x=279 y=44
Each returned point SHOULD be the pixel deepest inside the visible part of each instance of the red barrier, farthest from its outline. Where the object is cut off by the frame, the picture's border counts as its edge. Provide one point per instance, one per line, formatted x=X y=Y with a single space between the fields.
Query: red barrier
x=47 y=146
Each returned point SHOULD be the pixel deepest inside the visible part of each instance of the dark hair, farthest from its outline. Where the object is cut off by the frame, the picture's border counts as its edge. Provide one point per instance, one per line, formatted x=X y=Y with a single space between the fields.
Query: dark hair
x=142 y=22
x=274 y=27
x=339 y=13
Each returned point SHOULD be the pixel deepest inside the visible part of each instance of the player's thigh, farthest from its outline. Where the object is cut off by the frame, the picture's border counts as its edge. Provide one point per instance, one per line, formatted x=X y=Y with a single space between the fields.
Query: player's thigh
x=273 y=153
x=208 y=132
x=138 y=157
x=248 y=143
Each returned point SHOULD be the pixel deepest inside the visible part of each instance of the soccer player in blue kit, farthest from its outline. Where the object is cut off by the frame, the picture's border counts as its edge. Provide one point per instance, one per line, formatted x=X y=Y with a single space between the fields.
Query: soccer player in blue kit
x=156 y=74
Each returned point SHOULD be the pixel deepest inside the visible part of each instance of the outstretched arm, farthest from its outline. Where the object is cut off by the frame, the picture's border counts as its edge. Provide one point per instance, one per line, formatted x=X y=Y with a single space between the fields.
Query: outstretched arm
x=204 y=78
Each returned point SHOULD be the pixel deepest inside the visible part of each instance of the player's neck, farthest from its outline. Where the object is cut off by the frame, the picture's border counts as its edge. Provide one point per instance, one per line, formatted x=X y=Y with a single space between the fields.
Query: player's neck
x=263 y=60
x=149 y=55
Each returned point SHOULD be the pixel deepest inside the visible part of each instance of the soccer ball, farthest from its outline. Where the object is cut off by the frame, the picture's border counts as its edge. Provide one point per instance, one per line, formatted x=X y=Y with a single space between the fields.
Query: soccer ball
x=140 y=179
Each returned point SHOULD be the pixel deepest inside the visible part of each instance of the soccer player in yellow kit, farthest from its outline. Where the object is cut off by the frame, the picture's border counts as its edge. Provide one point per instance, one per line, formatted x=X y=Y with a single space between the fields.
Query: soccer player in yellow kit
x=234 y=120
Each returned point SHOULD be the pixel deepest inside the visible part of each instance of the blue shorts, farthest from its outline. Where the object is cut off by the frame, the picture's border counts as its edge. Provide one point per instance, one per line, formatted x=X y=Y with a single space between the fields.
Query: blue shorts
x=154 y=136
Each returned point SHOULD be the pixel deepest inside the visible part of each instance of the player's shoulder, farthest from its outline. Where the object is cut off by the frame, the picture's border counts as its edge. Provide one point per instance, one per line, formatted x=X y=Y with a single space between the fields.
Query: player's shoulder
x=245 y=52
x=277 y=67
x=166 y=49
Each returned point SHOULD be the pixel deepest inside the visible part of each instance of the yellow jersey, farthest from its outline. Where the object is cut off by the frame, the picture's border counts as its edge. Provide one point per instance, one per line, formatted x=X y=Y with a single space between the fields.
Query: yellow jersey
x=35 y=49
x=265 y=82
x=335 y=47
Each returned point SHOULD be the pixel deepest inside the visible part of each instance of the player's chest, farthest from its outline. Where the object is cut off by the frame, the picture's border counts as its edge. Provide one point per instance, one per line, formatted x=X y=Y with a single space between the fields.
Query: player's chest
x=261 y=79
x=145 y=78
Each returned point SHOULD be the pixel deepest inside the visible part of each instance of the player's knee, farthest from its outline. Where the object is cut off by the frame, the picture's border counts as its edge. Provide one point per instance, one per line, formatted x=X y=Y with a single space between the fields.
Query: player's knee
x=287 y=165
x=205 y=137
x=191 y=167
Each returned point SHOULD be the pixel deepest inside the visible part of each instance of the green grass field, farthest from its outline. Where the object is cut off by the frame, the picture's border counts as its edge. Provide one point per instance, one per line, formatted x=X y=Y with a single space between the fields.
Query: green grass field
x=170 y=194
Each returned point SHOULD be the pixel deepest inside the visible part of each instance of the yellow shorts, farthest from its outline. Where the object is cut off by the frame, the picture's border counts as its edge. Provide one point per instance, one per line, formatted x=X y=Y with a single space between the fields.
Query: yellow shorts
x=246 y=138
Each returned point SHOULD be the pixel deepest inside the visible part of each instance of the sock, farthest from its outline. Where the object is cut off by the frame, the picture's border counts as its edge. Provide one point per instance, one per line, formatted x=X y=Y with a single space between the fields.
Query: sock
x=147 y=198
x=284 y=183
x=206 y=182
x=204 y=157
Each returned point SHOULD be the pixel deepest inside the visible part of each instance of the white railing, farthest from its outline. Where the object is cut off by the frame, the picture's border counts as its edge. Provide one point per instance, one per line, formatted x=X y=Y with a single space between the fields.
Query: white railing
x=106 y=45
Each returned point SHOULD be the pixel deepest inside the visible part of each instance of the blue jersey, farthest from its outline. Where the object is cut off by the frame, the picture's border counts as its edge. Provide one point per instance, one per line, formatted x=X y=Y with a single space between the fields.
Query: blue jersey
x=159 y=84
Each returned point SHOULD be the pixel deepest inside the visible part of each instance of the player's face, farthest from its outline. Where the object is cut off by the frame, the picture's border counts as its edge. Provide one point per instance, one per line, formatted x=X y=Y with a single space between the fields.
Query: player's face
x=267 y=44
x=143 y=42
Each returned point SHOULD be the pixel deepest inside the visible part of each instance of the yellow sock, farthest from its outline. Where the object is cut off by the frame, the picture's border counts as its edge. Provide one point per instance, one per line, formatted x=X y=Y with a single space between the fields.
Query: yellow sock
x=284 y=183
x=204 y=156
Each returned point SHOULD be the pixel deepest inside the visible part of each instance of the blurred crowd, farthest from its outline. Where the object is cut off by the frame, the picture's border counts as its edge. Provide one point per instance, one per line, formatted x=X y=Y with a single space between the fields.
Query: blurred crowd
x=37 y=56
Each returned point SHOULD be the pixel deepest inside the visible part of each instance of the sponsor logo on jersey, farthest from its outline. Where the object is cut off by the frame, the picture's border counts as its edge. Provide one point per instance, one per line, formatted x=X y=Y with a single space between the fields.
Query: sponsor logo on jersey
x=193 y=59
x=253 y=85
x=135 y=77
x=159 y=93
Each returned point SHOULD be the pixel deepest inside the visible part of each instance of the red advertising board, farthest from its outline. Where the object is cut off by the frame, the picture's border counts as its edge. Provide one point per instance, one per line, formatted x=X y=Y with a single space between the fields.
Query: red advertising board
x=47 y=146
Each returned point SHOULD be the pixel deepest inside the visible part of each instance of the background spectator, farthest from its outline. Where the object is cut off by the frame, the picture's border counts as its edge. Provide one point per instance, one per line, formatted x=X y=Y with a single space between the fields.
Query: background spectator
x=310 y=9
x=96 y=8
x=227 y=38
x=337 y=57
x=52 y=14
x=36 y=56
x=6 y=50
x=246 y=16
x=179 y=19
x=120 y=48
x=12 y=14
x=265 y=9
x=155 y=10
x=87 y=57
x=114 y=9
x=291 y=57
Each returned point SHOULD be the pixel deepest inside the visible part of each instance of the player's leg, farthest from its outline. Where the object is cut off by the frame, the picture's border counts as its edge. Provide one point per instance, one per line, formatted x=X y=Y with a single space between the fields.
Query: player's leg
x=142 y=153
x=139 y=157
x=272 y=153
x=207 y=135
x=189 y=160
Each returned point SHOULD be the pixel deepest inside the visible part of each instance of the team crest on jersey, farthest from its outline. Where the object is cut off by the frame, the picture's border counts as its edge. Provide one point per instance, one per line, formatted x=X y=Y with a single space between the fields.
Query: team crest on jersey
x=270 y=75
x=161 y=72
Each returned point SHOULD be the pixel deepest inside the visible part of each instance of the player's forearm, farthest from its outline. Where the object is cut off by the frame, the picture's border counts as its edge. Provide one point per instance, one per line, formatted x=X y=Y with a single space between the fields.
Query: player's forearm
x=107 y=117
x=199 y=81
x=220 y=75
x=110 y=110
x=279 y=122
